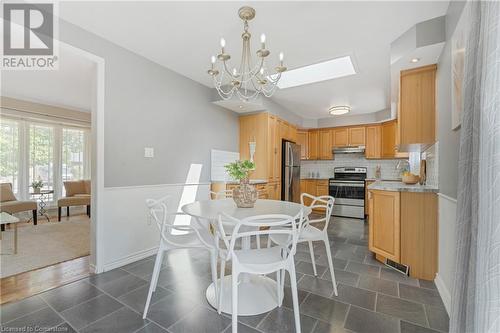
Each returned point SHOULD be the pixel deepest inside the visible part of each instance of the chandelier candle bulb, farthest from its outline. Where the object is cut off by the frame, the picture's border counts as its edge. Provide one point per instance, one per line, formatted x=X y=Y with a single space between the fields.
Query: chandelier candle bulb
x=213 y=60
x=263 y=41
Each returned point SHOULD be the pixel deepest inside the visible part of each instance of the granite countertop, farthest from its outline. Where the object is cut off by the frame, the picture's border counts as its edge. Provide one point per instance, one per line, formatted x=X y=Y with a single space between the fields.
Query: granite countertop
x=252 y=181
x=314 y=178
x=397 y=186
x=383 y=180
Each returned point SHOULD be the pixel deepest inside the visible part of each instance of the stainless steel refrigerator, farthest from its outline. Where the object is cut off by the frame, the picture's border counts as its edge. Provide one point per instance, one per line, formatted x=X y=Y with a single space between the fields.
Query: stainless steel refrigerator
x=290 y=173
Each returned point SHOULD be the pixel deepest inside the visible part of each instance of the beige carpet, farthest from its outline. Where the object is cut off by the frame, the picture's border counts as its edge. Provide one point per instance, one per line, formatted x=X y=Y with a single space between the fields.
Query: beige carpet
x=45 y=244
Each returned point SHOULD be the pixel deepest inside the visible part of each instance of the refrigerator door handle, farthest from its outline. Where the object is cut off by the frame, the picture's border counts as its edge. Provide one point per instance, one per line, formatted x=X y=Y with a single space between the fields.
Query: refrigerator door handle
x=291 y=169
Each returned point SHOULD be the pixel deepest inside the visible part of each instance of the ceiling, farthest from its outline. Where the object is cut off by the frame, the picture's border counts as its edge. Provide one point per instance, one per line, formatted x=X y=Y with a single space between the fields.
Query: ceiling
x=68 y=87
x=183 y=36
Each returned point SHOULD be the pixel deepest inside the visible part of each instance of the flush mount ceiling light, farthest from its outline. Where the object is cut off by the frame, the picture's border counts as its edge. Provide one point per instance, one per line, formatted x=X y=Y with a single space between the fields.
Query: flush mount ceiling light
x=322 y=71
x=338 y=110
x=248 y=80
x=414 y=60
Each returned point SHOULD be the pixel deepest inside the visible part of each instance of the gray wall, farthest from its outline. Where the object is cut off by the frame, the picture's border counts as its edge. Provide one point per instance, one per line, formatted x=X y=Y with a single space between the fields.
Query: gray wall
x=147 y=105
x=280 y=111
x=448 y=139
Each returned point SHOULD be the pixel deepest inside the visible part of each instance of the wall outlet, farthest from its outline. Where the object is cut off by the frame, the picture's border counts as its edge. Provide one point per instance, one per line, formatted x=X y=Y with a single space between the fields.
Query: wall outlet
x=149 y=152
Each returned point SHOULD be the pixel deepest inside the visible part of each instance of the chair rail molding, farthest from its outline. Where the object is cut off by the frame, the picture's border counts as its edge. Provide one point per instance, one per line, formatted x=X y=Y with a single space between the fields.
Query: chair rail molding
x=126 y=218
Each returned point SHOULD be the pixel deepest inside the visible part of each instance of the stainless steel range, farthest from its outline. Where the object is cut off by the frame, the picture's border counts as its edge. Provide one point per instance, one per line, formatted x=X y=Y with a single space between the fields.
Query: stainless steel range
x=348 y=189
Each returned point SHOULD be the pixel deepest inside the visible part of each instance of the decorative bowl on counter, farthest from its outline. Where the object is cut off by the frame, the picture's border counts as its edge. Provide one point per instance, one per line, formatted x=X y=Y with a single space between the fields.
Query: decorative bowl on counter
x=409 y=178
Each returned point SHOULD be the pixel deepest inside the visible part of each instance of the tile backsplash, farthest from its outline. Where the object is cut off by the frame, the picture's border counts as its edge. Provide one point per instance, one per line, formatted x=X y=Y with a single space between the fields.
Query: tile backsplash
x=431 y=156
x=324 y=169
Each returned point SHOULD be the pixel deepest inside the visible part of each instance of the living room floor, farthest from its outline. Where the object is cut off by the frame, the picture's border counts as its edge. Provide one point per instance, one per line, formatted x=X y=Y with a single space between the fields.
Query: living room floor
x=371 y=298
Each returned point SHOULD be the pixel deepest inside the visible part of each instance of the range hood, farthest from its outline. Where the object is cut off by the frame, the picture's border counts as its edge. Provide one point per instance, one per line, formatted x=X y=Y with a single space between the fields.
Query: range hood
x=349 y=150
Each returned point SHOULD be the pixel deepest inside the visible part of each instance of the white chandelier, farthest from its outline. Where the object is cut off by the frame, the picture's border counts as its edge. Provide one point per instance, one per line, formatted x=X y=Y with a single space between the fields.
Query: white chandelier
x=248 y=81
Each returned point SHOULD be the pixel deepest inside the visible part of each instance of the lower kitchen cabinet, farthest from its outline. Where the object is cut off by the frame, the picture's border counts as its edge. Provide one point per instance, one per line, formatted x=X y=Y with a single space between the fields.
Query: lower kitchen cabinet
x=403 y=228
x=384 y=224
x=315 y=187
x=274 y=191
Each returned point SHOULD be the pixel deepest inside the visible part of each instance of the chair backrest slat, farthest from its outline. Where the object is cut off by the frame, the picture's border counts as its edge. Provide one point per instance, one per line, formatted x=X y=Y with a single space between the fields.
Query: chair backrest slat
x=289 y=226
x=324 y=203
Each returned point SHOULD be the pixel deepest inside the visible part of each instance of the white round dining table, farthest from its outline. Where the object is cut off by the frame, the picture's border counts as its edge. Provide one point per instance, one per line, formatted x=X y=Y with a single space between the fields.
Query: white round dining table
x=256 y=294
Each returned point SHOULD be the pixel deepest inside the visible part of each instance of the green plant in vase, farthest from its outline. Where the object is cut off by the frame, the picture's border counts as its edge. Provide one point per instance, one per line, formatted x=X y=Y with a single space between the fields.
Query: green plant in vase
x=244 y=195
x=37 y=185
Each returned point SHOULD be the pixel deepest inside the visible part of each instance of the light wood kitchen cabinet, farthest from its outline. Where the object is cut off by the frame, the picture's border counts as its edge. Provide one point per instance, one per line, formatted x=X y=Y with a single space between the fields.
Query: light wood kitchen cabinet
x=267 y=131
x=315 y=187
x=287 y=130
x=384 y=232
x=367 y=201
x=388 y=139
x=274 y=191
x=303 y=141
x=419 y=234
x=403 y=228
x=417 y=111
x=340 y=137
x=356 y=136
x=313 y=144
x=373 y=147
x=254 y=128
x=274 y=150
x=348 y=136
x=325 y=145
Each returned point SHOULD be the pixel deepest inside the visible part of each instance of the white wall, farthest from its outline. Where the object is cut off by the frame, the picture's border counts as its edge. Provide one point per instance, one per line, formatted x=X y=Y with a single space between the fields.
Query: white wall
x=447 y=162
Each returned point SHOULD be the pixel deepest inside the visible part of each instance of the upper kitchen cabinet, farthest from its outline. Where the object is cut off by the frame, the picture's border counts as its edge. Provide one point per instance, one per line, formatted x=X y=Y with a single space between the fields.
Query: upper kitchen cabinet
x=313 y=144
x=325 y=145
x=254 y=128
x=373 y=142
x=348 y=136
x=389 y=143
x=268 y=132
x=417 y=111
x=356 y=136
x=341 y=137
x=287 y=131
x=303 y=141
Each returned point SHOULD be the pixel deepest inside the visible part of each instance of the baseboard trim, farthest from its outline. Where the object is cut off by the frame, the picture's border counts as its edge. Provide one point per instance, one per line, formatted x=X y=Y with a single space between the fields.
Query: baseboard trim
x=443 y=292
x=130 y=259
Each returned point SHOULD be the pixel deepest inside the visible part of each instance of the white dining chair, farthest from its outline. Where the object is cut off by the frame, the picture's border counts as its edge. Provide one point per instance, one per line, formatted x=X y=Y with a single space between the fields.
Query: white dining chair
x=260 y=261
x=312 y=234
x=177 y=237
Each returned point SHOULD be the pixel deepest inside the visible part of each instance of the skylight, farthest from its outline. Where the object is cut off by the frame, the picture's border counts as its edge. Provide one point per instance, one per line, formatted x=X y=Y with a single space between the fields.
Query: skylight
x=322 y=71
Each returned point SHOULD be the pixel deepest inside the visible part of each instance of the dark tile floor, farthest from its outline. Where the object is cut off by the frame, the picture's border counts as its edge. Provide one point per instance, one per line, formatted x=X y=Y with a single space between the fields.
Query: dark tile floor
x=371 y=298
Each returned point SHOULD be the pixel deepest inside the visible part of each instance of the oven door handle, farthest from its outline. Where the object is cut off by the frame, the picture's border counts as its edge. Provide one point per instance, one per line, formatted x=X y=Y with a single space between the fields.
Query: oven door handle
x=347 y=181
x=347 y=185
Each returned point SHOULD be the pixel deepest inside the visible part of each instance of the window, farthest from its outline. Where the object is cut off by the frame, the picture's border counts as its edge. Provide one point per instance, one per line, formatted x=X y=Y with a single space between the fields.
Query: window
x=73 y=154
x=9 y=153
x=44 y=151
x=41 y=155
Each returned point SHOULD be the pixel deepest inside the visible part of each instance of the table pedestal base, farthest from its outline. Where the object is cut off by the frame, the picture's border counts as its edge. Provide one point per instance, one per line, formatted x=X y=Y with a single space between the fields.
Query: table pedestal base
x=256 y=294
